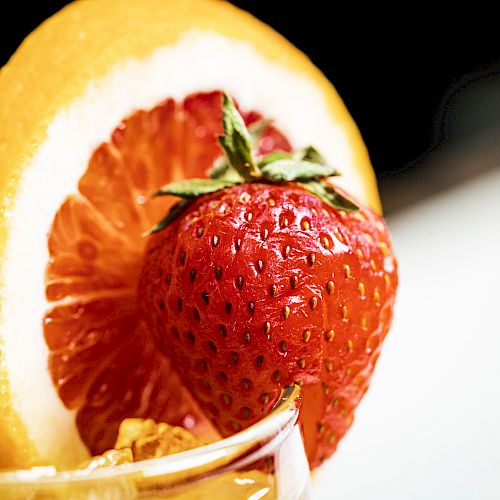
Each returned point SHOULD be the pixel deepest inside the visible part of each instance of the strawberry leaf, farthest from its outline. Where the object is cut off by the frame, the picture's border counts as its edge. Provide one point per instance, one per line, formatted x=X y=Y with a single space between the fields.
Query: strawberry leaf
x=272 y=157
x=176 y=211
x=330 y=195
x=236 y=141
x=223 y=172
x=295 y=170
x=220 y=169
x=310 y=153
x=194 y=187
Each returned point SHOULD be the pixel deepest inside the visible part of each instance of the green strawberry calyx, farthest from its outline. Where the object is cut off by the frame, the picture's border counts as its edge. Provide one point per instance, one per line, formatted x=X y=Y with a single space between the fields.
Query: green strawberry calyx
x=239 y=165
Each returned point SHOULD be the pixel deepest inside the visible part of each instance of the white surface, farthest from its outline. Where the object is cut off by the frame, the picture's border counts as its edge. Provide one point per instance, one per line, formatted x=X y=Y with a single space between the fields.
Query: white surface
x=429 y=427
x=62 y=159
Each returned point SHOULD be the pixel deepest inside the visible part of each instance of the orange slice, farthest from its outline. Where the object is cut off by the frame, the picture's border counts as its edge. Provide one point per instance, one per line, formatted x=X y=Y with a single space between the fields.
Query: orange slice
x=74 y=359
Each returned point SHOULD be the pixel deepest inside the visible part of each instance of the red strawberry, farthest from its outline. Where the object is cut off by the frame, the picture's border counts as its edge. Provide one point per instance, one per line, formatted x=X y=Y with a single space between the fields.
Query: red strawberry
x=260 y=285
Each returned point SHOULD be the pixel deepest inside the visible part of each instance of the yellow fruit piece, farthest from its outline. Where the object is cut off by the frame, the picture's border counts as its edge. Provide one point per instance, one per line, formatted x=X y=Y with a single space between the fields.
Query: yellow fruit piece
x=64 y=90
x=147 y=439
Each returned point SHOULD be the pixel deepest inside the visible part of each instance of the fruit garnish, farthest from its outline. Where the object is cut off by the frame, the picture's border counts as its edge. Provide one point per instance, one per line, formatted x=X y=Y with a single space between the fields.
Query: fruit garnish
x=270 y=276
x=101 y=106
x=102 y=359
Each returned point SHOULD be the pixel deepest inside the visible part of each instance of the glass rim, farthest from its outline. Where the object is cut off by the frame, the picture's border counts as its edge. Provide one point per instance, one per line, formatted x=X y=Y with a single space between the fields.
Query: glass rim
x=223 y=455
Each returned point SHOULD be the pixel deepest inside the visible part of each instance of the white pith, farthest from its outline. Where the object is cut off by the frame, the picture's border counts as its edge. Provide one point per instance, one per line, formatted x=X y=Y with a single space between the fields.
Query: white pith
x=198 y=61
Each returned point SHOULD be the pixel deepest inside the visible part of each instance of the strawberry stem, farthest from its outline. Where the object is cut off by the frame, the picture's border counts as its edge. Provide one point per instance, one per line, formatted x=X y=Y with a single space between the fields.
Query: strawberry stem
x=236 y=141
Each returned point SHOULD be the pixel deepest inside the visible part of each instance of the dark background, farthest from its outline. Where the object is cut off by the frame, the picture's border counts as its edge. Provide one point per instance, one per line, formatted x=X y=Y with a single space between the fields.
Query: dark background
x=401 y=74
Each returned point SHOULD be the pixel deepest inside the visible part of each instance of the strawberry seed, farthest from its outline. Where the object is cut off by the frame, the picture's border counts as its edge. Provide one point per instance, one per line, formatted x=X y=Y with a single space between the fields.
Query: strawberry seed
x=311 y=259
x=192 y=275
x=182 y=258
x=283 y=347
x=267 y=328
x=286 y=312
x=239 y=282
x=218 y=273
x=251 y=307
x=313 y=302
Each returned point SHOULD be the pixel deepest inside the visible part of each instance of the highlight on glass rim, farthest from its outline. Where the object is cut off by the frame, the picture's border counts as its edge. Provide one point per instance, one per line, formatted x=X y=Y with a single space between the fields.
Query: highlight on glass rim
x=196 y=275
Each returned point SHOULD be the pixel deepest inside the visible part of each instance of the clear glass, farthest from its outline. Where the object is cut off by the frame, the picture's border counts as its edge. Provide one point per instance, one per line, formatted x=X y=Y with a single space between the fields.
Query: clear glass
x=266 y=461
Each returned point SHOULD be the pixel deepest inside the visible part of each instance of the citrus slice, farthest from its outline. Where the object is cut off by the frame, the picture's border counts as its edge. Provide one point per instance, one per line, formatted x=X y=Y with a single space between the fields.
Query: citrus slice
x=105 y=102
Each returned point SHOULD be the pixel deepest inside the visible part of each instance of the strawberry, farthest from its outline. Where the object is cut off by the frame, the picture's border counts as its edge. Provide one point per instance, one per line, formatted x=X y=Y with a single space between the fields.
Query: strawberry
x=264 y=276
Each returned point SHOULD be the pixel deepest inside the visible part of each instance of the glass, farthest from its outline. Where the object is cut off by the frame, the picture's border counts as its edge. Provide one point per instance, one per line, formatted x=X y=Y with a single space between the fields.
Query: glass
x=266 y=461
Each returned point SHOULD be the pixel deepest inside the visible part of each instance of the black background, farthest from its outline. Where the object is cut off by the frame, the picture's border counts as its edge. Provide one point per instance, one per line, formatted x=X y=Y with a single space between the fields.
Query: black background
x=395 y=69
